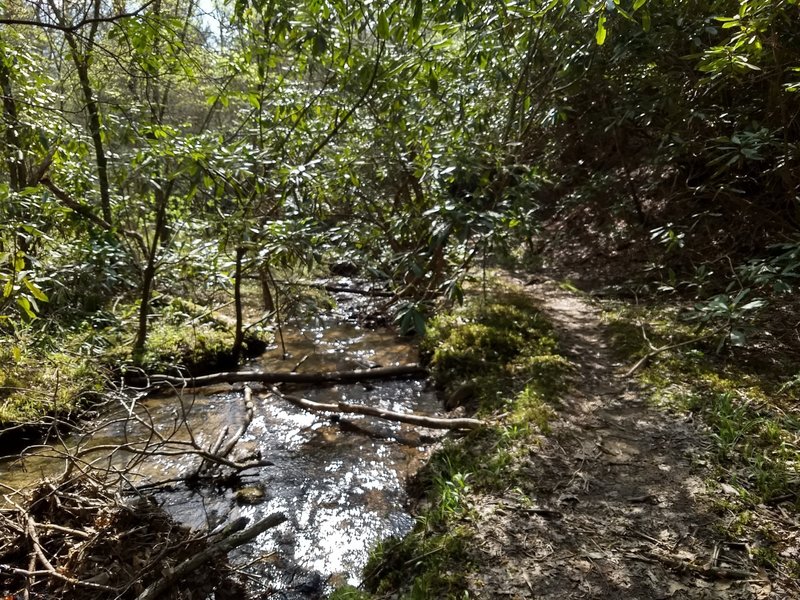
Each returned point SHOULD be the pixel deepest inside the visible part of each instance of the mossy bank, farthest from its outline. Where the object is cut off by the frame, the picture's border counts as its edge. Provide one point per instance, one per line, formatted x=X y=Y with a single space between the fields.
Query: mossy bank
x=49 y=376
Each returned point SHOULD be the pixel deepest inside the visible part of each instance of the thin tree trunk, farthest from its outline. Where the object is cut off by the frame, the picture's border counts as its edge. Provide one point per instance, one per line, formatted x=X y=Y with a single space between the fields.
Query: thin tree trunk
x=95 y=129
x=81 y=59
x=16 y=166
x=238 y=339
x=17 y=172
x=149 y=275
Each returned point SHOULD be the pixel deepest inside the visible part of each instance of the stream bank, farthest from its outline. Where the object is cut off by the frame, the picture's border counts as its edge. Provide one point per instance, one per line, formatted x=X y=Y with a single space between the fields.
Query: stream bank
x=340 y=481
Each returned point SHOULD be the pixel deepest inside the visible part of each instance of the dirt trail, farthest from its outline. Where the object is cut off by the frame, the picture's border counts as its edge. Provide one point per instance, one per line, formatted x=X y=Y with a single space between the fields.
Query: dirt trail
x=614 y=504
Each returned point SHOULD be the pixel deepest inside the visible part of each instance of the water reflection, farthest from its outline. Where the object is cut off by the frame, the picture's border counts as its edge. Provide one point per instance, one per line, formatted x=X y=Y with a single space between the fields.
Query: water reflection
x=339 y=481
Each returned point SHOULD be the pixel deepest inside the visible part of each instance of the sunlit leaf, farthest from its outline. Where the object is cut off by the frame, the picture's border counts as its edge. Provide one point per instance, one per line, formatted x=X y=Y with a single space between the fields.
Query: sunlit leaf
x=25 y=305
x=600 y=35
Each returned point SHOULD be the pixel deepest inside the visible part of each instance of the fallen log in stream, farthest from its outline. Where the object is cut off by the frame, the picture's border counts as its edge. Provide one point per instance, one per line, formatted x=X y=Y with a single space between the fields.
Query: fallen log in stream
x=280 y=377
x=412 y=370
x=371 y=411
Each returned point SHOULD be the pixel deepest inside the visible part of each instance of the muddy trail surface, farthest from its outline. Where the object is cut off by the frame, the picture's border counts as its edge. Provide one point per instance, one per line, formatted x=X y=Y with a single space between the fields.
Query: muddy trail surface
x=620 y=508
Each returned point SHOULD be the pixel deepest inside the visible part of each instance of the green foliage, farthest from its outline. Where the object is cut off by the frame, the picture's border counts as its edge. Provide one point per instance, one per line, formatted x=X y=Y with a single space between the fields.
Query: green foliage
x=38 y=382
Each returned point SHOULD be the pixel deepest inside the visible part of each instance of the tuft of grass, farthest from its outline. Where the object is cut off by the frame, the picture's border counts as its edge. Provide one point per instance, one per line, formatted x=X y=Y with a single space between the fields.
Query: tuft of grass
x=348 y=592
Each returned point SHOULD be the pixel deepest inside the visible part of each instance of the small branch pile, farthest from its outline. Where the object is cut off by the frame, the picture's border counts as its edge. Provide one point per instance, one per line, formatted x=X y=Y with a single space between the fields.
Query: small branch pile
x=75 y=540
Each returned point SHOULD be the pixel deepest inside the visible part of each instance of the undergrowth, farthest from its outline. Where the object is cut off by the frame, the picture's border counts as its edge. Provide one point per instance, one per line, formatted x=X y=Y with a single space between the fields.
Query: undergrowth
x=748 y=409
x=51 y=373
x=505 y=349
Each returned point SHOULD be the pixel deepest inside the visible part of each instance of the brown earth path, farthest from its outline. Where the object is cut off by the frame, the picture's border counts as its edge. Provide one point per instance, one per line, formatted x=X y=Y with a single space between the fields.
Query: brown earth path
x=614 y=504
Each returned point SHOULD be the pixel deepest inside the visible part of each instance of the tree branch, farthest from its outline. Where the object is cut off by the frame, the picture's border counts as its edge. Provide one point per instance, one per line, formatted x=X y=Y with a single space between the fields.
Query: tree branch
x=316 y=378
x=80 y=24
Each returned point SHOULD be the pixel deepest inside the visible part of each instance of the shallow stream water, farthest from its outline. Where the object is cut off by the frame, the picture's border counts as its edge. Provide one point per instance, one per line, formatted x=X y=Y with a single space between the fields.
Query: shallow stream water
x=340 y=482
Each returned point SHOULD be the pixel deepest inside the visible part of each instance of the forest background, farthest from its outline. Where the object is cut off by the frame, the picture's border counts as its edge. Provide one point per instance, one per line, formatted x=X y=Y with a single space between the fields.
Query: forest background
x=155 y=155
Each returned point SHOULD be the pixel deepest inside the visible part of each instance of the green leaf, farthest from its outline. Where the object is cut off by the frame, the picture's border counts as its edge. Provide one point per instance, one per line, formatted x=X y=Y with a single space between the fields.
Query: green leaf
x=254 y=100
x=754 y=304
x=600 y=36
x=37 y=293
x=638 y=4
x=383 y=26
x=737 y=337
x=25 y=305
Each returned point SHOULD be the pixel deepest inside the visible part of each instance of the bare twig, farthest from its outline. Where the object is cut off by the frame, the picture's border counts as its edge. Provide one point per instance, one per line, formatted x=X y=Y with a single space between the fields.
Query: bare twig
x=656 y=351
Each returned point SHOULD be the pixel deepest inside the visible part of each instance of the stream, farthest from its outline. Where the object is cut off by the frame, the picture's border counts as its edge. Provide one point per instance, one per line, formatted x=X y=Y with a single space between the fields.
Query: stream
x=340 y=482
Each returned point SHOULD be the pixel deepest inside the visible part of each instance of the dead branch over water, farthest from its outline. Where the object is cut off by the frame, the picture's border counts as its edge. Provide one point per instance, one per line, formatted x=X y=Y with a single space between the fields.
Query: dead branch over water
x=371 y=411
x=287 y=377
x=88 y=532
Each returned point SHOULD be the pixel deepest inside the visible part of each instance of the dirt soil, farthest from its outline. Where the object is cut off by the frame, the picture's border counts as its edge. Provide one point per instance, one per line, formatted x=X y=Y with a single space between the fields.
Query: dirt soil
x=615 y=505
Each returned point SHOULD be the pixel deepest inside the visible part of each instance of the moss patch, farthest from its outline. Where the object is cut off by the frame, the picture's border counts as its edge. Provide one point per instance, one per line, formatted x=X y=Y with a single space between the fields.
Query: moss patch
x=507 y=351
x=52 y=373
x=502 y=346
x=36 y=383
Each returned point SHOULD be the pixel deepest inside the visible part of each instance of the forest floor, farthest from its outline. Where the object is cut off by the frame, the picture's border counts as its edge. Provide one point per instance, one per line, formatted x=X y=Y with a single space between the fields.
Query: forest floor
x=616 y=503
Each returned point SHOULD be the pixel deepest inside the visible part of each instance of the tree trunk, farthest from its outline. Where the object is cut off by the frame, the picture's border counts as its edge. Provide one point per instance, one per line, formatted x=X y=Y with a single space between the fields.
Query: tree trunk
x=266 y=293
x=95 y=129
x=238 y=338
x=16 y=166
x=149 y=275
x=81 y=58
x=17 y=171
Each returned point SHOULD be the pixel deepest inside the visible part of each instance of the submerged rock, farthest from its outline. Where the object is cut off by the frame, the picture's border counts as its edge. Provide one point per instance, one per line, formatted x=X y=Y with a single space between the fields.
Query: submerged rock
x=250 y=495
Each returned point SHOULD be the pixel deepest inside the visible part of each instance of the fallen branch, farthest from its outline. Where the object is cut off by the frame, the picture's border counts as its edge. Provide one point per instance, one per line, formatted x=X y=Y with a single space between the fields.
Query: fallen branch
x=222 y=449
x=358 y=291
x=303 y=378
x=707 y=571
x=656 y=351
x=223 y=546
x=49 y=569
x=411 y=419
